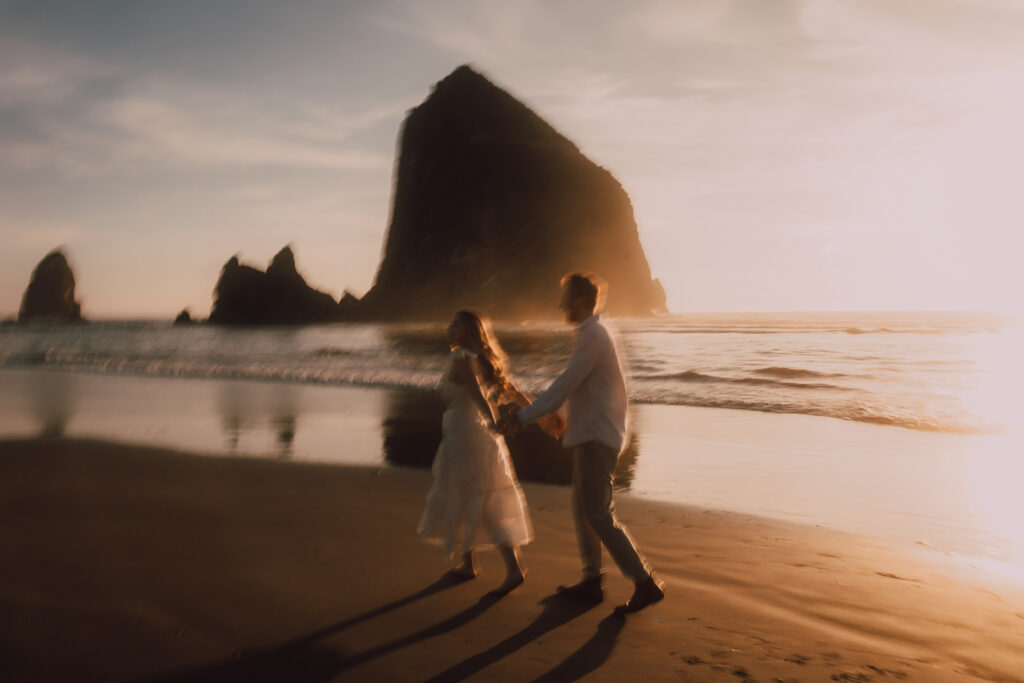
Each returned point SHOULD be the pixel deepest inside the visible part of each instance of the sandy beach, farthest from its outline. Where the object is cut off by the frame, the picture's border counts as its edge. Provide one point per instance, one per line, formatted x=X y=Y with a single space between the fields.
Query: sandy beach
x=129 y=563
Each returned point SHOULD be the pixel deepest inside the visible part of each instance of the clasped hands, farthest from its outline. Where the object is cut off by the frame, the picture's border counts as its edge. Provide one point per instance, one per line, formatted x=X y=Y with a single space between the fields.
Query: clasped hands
x=509 y=423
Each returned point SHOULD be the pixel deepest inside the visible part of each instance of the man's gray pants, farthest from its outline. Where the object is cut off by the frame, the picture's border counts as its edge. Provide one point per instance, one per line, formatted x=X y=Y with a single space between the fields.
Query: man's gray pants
x=594 y=513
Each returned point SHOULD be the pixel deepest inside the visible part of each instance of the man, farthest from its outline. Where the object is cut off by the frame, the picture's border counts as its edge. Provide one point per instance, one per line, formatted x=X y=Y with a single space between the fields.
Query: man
x=595 y=390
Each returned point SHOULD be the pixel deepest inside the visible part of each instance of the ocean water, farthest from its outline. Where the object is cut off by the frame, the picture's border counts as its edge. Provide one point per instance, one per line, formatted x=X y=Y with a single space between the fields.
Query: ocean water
x=926 y=448
x=942 y=372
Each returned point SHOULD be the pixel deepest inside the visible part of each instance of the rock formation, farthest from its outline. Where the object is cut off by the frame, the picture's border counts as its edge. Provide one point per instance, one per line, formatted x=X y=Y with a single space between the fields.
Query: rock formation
x=184 y=318
x=50 y=294
x=280 y=296
x=492 y=207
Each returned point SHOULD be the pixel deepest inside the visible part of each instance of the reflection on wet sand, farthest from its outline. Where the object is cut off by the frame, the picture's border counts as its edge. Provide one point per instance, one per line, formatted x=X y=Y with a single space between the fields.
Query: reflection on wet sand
x=412 y=432
x=263 y=418
x=53 y=396
x=286 y=425
x=248 y=408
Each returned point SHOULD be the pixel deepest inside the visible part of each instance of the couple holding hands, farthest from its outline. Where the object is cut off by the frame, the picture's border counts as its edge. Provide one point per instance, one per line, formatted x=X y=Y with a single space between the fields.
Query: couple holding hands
x=476 y=502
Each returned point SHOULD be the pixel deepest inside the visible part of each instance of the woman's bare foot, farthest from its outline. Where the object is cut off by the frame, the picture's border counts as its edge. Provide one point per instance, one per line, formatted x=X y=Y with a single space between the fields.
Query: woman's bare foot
x=463 y=573
x=467 y=570
x=512 y=581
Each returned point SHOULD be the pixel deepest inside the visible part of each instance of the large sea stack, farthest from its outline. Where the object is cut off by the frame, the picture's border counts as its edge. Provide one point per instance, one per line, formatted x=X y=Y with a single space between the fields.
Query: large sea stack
x=492 y=207
x=50 y=295
x=280 y=296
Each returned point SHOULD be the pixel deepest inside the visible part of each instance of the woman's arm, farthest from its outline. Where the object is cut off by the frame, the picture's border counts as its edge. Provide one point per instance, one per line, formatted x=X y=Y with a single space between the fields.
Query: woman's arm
x=518 y=397
x=466 y=371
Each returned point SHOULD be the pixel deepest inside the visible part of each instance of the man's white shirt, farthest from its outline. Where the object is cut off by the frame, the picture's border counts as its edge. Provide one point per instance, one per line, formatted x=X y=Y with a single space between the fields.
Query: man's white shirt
x=594 y=387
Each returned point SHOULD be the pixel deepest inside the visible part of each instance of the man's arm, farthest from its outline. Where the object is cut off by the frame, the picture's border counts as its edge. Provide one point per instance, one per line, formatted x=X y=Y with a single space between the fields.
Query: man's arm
x=584 y=357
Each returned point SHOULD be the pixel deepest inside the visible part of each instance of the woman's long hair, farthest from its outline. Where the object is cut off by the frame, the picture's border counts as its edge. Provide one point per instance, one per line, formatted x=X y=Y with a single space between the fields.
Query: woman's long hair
x=493 y=358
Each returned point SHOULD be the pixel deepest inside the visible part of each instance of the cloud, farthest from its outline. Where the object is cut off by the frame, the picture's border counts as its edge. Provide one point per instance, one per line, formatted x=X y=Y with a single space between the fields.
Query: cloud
x=158 y=129
x=80 y=116
x=465 y=28
x=32 y=75
x=113 y=134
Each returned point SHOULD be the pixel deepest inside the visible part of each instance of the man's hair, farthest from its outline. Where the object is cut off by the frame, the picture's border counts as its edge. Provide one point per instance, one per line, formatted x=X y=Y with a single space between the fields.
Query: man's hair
x=586 y=286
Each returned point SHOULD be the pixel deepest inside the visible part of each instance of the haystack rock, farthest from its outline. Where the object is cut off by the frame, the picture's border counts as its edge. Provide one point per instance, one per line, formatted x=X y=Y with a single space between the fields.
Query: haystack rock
x=279 y=296
x=492 y=207
x=50 y=295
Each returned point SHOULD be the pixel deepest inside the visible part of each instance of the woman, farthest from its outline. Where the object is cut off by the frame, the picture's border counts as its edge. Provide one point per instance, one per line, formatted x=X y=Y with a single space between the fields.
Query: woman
x=475 y=501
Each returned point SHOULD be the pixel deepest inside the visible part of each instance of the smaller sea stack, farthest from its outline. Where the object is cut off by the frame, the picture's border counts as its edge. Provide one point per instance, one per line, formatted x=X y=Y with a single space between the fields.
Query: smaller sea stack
x=50 y=295
x=280 y=296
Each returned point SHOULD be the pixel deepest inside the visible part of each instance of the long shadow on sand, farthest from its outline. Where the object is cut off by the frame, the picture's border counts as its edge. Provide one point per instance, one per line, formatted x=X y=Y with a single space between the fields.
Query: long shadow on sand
x=557 y=611
x=591 y=655
x=302 y=660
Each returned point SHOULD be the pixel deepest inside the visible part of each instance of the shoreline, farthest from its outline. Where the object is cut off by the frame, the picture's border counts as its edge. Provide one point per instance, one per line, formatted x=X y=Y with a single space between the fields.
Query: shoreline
x=945 y=492
x=130 y=563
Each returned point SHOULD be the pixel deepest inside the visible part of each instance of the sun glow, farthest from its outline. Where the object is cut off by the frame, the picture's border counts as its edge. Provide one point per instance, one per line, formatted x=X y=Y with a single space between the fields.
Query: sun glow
x=1000 y=375
x=996 y=468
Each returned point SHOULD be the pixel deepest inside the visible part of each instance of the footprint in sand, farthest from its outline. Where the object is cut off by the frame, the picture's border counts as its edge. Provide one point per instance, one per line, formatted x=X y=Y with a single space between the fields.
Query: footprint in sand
x=861 y=677
x=887 y=672
x=851 y=677
x=897 y=577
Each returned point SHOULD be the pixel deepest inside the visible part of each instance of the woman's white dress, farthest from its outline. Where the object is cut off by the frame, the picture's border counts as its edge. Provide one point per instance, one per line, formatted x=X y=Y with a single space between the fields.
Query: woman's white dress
x=475 y=501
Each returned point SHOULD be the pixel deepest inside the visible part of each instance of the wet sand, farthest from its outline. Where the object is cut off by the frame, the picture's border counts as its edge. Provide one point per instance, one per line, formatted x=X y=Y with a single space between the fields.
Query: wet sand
x=957 y=493
x=122 y=562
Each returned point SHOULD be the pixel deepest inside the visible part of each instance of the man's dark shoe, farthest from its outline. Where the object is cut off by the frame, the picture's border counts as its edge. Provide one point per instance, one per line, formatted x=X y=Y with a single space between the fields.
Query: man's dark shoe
x=587 y=590
x=648 y=592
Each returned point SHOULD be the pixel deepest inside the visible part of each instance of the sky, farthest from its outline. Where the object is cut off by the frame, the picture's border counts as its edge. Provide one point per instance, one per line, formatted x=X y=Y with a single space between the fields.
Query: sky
x=780 y=155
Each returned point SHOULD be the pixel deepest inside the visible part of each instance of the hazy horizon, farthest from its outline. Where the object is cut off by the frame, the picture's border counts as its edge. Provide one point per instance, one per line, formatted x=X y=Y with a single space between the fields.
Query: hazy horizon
x=1004 y=317
x=797 y=156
